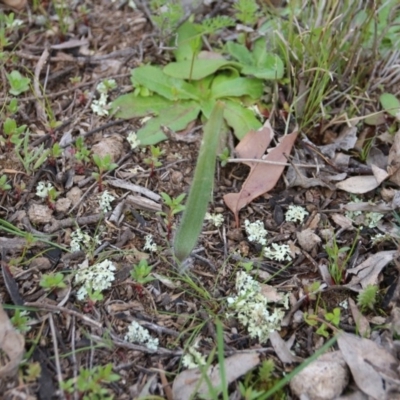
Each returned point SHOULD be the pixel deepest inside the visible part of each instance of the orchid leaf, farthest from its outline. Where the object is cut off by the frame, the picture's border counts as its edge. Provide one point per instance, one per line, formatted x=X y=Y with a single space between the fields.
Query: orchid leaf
x=176 y=117
x=240 y=119
x=130 y=106
x=197 y=69
x=157 y=81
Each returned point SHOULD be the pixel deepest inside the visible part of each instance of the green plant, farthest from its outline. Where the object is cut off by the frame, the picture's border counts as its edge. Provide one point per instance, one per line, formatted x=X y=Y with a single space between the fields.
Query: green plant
x=331 y=319
x=21 y=320
x=224 y=157
x=31 y=159
x=52 y=281
x=178 y=93
x=141 y=272
x=12 y=132
x=89 y=382
x=366 y=299
x=166 y=15
x=81 y=151
x=337 y=259
x=104 y=165
x=18 y=83
x=174 y=207
x=4 y=186
x=200 y=191
x=153 y=160
x=247 y=11
x=12 y=106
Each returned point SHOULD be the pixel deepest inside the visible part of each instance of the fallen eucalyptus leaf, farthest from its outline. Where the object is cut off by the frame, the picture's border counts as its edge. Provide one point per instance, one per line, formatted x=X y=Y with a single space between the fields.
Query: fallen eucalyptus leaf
x=235 y=366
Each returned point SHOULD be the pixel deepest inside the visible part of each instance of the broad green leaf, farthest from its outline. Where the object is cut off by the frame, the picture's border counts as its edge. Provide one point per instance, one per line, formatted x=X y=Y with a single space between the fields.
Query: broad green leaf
x=207 y=107
x=390 y=104
x=238 y=87
x=200 y=192
x=241 y=119
x=188 y=41
x=130 y=106
x=259 y=52
x=203 y=86
x=272 y=69
x=157 y=81
x=176 y=117
x=200 y=68
x=240 y=53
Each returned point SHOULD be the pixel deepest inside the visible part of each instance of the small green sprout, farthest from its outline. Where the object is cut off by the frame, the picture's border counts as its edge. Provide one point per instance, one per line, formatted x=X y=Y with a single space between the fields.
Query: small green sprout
x=88 y=383
x=18 y=83
x=4 y=186
x=104 y=165
x=12 y=132
x=153 y=161
x=247 y=11
x=20 y=320
x=367 y=298
x=12 y=106
x=140 y=272
x=81 y=151
x=224 y=157
x=53 y=281
x=174 y=207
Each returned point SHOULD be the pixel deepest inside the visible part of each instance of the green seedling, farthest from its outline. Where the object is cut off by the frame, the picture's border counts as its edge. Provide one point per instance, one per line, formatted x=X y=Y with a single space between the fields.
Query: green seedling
x=337 y=260
x=54 y=281
x=55 y=152
x=174 y=207
x=366 y=299
x=153 y=161
x=166 y=15
x=81 y=151
x=104 y=165
x=247 y=12
x=12 y=132
x=332 y=319
x=18 y=83
x=31 y=159
x=224 y=157
x=200 y=191
x=88 y=383
x=4 y=186
x=12 y=106
x=141 y=272
x=21 y=320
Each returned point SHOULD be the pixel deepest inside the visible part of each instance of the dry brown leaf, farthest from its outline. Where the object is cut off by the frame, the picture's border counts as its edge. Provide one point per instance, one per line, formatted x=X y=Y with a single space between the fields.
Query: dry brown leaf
x=307 y=239
x=262 y=177
x=346 y=140
x=362 y=323
x=12 y=343
x=358 y=184
x=235 y=366
x=282 y=349
x=373 y=368
x=17 y=4
x=367 y=272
